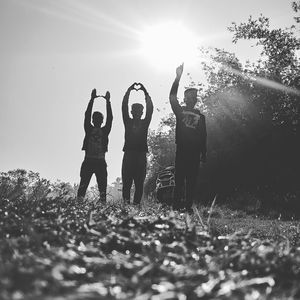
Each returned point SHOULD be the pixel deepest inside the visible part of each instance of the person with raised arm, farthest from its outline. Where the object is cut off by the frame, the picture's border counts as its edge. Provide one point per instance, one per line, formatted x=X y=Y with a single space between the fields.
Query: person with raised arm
x=95 y=145
x=135 y=146
x=190 y=143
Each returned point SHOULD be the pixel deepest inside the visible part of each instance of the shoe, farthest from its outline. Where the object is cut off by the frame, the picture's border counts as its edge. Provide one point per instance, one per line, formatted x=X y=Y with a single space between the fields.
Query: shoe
x=177 y=206
x=80 y=199
x=126 y=201
x=189 y=210
x=136 y=205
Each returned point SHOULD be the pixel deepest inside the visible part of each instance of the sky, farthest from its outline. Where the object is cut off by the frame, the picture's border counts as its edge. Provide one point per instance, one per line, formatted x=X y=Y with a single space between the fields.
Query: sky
x=53 y=53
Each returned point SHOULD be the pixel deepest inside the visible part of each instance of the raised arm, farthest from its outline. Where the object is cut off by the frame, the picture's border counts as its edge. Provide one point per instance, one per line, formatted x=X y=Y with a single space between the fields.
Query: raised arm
x=174 y=89
x=88 y=112
x=109 y=116
x=149 y=105
x=125 y=112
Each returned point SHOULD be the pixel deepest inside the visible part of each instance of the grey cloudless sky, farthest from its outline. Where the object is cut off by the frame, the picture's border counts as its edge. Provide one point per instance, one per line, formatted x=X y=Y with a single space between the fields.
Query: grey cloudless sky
x=53 y=53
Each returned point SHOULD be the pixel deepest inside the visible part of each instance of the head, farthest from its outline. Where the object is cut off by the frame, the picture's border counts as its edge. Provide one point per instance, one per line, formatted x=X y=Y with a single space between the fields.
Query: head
x=97 y=118
x=190 y=97
x=137 y=110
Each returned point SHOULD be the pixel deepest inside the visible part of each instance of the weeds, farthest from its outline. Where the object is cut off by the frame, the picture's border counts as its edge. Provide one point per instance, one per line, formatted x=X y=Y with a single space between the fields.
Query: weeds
x=59 y=247
x=63 y=248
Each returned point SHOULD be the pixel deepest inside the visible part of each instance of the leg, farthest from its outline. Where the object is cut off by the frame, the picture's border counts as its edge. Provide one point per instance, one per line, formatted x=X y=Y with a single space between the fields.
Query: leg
x=101 y=176
x=86 y=173
x=193 y=164
x=179 y=179
x=126 y=178
x=139 y=177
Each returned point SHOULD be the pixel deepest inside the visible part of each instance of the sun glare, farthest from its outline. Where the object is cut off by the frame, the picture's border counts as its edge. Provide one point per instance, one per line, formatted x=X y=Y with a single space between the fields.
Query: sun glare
x=168 y=44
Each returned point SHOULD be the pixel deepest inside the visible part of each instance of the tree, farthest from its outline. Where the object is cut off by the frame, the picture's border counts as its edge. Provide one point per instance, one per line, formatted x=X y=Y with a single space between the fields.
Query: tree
x=252 y=114
x=296 y=8
x=254 y=109
x=22 y=184
x=276 y=79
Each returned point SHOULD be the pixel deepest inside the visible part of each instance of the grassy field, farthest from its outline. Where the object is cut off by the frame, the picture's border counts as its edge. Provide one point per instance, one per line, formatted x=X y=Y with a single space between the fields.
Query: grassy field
x=61 y=249
x=226 y=221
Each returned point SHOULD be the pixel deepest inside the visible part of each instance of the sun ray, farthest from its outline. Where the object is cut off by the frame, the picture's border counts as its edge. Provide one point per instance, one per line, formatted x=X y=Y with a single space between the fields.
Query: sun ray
x=86 y=16
x=97 y=15
x=265 y=82
x=257 y=79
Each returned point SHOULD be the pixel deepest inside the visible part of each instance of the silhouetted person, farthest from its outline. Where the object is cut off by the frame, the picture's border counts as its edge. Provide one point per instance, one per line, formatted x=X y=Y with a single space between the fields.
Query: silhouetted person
x=190 y=143
x=135 y=147
x=95 y=146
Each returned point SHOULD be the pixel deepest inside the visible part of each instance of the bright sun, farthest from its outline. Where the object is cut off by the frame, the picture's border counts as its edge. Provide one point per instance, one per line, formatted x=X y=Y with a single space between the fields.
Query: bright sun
x=168 y=44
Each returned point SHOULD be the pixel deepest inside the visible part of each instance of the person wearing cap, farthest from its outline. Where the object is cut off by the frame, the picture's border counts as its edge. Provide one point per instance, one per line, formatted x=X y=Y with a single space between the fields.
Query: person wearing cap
x=190 y=143
x=95 y=146
x=135 y=147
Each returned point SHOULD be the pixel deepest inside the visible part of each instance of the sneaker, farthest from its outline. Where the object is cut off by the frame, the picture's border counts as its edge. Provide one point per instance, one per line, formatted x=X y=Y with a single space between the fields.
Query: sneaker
x=137 y=205
x=102 y=200
x=189 y=210
x=177 y=206
x=126 y=201
x=80 y=198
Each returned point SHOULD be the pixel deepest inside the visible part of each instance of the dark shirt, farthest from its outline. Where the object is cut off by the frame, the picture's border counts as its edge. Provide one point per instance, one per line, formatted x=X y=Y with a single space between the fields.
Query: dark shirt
x=190 y=126
x=191 y=129
x=90 y=129
x=136 y=131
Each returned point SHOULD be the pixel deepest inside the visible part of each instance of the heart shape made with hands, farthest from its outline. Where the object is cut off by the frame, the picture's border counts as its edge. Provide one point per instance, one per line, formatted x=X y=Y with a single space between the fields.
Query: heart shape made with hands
x=137 y=86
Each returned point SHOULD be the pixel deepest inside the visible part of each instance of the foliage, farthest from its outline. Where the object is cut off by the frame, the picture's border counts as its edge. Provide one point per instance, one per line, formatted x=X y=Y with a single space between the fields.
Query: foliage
x=280 y=83
x=296 y=8
x=60 y=247
x=20 y=183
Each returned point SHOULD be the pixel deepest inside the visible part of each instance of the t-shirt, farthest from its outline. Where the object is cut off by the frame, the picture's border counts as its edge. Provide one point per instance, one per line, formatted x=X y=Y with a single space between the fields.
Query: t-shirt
x=95 y=147
x=136 y=131
x=136 y=135
x=190 y=125
x=190 y=129
x=88 y=128
x=190 y=119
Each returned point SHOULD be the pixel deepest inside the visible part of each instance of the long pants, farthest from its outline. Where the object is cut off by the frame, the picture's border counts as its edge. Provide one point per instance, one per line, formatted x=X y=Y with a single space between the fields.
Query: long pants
x=187 y=164
x=88 y=168
x=133 y=170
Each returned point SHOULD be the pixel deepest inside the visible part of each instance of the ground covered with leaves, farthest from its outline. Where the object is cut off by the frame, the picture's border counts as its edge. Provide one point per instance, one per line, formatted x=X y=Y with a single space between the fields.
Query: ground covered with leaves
x=57 y=248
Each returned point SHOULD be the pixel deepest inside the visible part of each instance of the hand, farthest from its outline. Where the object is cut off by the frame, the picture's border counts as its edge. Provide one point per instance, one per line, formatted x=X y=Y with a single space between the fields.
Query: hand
x=203 y=158
x=94 y=94
x=137 y=86
x=107 y=96
x=143 y=89
x=179 y=71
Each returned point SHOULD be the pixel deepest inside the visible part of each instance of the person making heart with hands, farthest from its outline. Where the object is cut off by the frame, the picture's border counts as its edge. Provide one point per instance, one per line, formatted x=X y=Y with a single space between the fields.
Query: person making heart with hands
x=135 y=146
